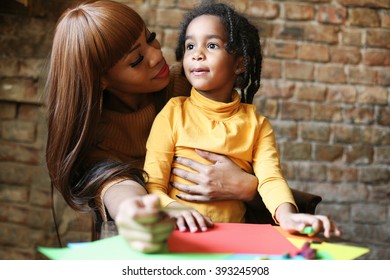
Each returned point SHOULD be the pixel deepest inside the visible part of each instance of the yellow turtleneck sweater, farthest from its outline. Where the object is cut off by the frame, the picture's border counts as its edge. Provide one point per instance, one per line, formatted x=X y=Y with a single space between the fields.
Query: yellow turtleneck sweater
x=233 y=129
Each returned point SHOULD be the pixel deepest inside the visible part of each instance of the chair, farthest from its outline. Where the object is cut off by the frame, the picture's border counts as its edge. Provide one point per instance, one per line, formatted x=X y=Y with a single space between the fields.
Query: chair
x=257 y=213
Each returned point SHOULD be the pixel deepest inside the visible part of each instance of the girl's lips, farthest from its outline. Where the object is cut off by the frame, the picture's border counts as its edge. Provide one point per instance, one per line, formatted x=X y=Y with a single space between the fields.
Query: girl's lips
x=163 y=72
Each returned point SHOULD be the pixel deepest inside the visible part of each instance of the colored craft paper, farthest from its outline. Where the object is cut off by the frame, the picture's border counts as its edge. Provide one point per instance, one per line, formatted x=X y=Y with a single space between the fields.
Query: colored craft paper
x=116 y=248
x=233 y=238
x=331 y=251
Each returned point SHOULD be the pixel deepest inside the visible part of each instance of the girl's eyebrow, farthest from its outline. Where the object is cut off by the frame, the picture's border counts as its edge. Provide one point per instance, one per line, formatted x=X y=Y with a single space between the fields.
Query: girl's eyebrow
x=211 y=36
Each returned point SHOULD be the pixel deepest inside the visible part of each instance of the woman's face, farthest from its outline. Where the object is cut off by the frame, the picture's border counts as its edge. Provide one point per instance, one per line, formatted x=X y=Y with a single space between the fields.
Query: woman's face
x=142 y=70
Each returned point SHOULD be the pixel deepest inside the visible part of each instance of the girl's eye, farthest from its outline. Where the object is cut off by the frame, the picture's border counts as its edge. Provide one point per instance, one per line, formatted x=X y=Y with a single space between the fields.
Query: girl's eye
x=138 y=61
x=213 y=46
x=189 y=46
x=151 y=38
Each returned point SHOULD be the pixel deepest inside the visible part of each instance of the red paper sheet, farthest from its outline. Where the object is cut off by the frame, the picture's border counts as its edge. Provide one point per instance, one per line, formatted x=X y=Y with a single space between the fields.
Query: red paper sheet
x=233 y=238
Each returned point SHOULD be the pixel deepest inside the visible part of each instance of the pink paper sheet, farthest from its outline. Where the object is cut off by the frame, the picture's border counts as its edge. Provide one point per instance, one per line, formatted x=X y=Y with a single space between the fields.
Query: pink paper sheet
x=235 y=238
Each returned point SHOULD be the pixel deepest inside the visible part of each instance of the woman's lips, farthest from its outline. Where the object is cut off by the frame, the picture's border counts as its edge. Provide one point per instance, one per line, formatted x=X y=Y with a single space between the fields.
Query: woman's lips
x=163 y=72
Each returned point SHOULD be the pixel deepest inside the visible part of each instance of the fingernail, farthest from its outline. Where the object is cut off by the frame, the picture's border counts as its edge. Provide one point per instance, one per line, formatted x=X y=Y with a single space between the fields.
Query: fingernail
x=178 y=196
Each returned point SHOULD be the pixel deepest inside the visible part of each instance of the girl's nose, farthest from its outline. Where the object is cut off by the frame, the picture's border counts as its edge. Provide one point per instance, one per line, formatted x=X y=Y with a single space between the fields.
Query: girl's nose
x=198 y=55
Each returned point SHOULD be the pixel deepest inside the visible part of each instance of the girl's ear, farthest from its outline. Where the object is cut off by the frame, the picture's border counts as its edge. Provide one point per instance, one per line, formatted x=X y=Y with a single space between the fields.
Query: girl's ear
x=240 y=68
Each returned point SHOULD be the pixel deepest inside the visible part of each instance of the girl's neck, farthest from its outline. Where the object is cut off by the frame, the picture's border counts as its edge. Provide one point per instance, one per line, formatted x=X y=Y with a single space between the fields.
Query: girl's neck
x=218 y=96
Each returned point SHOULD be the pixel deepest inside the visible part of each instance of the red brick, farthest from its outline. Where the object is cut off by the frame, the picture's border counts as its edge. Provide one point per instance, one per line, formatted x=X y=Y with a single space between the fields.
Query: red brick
x=315 y=132
x=263 y=9
x=384 y=77
x=342 y=93
x=385 y=18
x=311 y=92
x=281 y=89
x=378 y=38
x=299 y=71
x=324 y=152
x=342 y=173
x=296 y=151
x=285 y=130
x=365 y=3
x=384 y=116
x=314 y=52
x=377 y=57
x=362 y=75
x=295 y=11
x=327 y=112
x=290 y=31
x=363 y=18
x=359 y=115
x=331 y=74
x=322 y=33
x=345 y=55
x=295 y=111
x=331 y=14
x=280 y=49
x=271 y=69
x=373 y=95
x=352 y=37
x=315 y=172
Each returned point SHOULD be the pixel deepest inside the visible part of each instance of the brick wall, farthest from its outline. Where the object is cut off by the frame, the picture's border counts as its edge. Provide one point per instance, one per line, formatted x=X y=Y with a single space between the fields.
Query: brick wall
x=325 y=88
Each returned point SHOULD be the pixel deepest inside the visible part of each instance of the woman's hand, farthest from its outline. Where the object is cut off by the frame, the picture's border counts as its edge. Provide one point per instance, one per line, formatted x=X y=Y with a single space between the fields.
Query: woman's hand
x=141 y=222
x=294 y=222
x=188 y=218
x=223 y=180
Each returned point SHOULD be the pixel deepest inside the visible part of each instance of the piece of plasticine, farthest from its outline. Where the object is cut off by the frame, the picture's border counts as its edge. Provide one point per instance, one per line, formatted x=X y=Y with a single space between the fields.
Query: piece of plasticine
x=307 y=230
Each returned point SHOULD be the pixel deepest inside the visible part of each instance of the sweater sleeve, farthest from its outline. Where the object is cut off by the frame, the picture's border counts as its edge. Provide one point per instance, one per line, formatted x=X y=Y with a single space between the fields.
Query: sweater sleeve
x=272 y=187
x=159 y=155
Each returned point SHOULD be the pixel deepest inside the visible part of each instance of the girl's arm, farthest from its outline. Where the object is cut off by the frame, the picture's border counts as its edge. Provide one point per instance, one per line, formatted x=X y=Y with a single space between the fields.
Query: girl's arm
x=221 y=181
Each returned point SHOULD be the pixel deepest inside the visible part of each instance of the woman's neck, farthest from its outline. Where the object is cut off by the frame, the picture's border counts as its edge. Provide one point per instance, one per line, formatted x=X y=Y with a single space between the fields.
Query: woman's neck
x=128 y=103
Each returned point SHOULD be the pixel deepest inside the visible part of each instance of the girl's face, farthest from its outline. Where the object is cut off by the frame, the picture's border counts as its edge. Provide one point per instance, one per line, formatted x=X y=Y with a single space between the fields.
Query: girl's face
x=207 y=65
x=142 y=70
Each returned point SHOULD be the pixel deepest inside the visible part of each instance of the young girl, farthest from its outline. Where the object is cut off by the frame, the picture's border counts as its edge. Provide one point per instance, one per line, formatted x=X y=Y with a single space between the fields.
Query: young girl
x=107 y=80
x=221 y=53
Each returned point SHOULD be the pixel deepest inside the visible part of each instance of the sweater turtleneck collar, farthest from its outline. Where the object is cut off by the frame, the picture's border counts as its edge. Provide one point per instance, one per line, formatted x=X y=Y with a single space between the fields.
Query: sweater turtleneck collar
x=216 y=108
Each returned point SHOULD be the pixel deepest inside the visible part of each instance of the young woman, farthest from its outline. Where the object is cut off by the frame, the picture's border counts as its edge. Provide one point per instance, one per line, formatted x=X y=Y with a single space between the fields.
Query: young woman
x=107 y=81
x=221 y=53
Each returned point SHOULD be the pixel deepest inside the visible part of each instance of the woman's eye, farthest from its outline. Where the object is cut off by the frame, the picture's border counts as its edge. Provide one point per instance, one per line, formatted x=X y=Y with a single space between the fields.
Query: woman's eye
x=138 y=61
x=151 y=38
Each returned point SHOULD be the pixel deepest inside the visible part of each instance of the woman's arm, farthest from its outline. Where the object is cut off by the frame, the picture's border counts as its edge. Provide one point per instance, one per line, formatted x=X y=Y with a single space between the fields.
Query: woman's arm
x=221 y=181
x=138 y=216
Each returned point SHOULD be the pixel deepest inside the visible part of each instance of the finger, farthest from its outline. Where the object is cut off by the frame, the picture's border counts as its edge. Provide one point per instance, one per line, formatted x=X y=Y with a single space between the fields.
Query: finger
x=194 y=165
x=181 y=224
x=193 y=198
x=213 y=157
x=147 y=247
x=188 y=189
x=190 y=221
x=158 y=234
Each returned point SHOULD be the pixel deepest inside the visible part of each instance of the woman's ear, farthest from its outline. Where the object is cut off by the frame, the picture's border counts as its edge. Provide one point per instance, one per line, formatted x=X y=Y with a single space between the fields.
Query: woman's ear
x=103 y=83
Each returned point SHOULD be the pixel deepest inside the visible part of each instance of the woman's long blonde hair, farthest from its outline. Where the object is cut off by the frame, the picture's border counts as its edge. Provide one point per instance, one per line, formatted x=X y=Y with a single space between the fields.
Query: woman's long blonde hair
x=89 y=39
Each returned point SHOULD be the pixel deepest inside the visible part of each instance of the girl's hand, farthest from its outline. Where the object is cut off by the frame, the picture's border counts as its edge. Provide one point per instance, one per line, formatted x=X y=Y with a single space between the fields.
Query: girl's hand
x=223 y=180
x=296 y=222
x=188 y=218
x=141 y=222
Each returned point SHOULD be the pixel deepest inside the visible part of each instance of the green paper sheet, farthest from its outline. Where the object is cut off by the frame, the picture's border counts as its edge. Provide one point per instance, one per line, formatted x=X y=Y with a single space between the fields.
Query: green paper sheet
x=116 y=248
